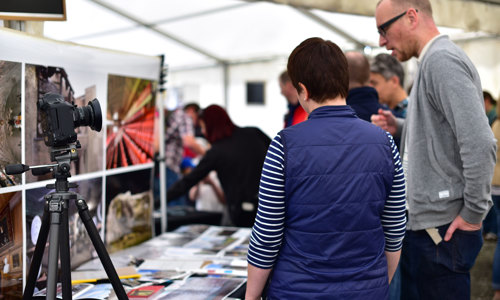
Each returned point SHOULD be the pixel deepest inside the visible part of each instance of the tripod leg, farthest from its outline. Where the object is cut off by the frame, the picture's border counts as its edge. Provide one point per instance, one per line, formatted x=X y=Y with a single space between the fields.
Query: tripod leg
x=36 y=260
x=65 y=257
x=83 y=211
x=55 y=208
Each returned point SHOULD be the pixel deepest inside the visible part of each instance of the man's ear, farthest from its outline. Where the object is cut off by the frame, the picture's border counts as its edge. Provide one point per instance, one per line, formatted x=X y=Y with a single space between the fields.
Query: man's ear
x=413 y=17
x=394 y=79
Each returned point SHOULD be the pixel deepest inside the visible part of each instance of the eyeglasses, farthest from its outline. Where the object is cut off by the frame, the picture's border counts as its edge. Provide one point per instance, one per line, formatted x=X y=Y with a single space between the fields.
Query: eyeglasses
x=382 y=29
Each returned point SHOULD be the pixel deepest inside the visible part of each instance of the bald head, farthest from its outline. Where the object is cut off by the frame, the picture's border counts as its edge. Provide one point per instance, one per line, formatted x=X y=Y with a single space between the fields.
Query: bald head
x=359 y=69
x=423 y=6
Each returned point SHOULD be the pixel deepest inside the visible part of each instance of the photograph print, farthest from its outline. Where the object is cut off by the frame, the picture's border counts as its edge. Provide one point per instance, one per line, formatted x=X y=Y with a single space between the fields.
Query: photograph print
x=10 y=120
x=11 y=245
x=128 y=209
x=130 y=119
x=41 y=80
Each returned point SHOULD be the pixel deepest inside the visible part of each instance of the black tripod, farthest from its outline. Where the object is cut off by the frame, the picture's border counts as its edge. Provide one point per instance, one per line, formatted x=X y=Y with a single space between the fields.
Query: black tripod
x=55 y=219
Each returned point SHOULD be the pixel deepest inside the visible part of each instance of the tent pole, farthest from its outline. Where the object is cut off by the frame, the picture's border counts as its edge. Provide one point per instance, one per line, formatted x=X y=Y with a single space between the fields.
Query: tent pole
x=225 y=75
x=319 y=20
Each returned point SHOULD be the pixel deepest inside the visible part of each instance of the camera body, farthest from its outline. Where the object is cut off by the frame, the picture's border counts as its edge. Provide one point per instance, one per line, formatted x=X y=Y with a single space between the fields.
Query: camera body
x=59 y=119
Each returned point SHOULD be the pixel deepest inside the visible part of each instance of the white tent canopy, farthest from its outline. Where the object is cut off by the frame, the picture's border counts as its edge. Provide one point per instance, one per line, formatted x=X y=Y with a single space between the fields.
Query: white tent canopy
x=199 y=32
x=214 y=47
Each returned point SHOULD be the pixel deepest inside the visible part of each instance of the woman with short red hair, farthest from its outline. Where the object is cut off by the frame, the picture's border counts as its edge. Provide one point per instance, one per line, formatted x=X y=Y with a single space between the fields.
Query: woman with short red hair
x=237 y=154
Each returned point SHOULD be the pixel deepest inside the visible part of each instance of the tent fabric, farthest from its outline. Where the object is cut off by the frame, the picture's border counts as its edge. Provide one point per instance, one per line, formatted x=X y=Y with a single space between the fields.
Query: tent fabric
x=226 y=31
x=214 y=48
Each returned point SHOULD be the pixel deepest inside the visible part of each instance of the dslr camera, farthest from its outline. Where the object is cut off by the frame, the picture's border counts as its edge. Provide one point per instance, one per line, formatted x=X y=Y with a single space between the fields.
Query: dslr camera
x=59 y=119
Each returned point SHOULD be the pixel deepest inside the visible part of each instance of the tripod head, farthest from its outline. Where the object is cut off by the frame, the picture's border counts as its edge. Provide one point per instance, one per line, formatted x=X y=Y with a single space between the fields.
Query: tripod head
x=62 y=156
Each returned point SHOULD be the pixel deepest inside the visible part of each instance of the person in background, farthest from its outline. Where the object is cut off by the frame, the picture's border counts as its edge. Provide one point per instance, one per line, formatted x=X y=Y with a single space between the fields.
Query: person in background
x=448 y=152
x=490 y=106
x=387 y=77
x=490 y=231
x=193 y=110
x=362 y=97
x=296 y=113
x=495 y=194
x=237 y=154
x=208 y=194
x=341 y=181
x=178 y=134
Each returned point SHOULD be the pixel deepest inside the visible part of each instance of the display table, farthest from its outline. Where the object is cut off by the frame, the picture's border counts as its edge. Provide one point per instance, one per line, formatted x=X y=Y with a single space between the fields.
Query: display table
x=193 y=262
x=180 y=216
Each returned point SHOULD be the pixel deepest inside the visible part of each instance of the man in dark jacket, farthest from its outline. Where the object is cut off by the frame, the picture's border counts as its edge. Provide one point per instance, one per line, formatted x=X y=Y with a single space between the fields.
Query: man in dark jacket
x=362 y=98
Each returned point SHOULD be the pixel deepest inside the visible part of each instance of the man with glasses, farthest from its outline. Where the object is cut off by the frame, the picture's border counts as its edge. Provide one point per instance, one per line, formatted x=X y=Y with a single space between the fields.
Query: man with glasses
x=448 y=153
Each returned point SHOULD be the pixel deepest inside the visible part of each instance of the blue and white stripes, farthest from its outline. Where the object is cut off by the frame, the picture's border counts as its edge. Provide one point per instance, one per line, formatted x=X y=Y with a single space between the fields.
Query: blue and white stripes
x=267 y=233
x=394 y=216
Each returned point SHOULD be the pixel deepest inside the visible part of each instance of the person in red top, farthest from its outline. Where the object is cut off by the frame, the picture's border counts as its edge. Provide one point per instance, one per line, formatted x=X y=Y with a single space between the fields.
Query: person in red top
x=296 y=113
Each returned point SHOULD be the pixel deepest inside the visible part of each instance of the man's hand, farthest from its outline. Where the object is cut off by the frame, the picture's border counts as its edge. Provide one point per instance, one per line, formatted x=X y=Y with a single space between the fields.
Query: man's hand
x=460 y=223
x=385 y=120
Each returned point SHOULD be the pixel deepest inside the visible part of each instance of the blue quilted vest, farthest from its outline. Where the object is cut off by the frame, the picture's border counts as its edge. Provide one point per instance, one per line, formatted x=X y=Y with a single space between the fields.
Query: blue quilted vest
x=339 y=172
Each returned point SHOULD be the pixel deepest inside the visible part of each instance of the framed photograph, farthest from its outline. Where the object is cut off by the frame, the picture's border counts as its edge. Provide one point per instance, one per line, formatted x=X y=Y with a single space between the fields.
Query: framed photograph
x=11 y=114
x=6 y=234
x=17 y=260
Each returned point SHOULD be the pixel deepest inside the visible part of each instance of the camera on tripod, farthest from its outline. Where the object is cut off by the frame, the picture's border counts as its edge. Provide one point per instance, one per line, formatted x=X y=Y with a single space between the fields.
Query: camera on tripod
x=59 y=119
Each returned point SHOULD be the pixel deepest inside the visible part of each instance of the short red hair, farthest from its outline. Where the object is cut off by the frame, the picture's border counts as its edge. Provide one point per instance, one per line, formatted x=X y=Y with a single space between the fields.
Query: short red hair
x=218 y=125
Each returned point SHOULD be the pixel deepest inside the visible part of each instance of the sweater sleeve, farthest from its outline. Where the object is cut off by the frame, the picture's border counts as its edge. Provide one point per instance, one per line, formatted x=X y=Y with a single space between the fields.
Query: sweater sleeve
x=454 y=90
x=394 y=215
x=267 y=232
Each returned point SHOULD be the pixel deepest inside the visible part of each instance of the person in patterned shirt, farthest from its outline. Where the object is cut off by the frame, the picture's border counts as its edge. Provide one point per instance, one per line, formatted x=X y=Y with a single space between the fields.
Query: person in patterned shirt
x=179 y=134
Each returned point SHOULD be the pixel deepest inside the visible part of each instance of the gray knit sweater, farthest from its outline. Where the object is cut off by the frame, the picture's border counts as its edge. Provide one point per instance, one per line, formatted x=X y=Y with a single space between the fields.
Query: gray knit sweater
x=451 y=150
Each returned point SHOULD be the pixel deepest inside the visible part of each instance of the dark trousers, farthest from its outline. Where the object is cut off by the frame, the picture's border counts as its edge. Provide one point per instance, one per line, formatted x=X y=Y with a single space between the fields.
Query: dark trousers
x=430 y=271
x=395 y=286
x=490 y=222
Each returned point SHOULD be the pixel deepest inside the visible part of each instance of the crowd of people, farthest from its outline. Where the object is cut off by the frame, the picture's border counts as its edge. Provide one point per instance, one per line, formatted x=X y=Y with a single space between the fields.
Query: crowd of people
x=369 y=191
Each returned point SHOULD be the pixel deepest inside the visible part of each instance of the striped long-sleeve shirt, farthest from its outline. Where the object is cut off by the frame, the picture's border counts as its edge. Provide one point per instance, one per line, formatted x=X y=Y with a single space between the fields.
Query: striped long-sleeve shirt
x=267 y=233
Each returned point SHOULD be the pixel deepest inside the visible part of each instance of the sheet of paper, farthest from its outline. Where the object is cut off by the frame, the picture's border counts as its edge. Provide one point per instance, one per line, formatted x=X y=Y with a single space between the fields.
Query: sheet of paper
x=171 y=264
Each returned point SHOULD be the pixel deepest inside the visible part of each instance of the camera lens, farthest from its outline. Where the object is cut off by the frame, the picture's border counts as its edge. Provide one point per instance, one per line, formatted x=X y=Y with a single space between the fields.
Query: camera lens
x=89 y=115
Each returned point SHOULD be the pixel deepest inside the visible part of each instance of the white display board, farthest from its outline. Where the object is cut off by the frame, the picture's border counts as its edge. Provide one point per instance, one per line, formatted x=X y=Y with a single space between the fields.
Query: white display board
x=114 y=166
